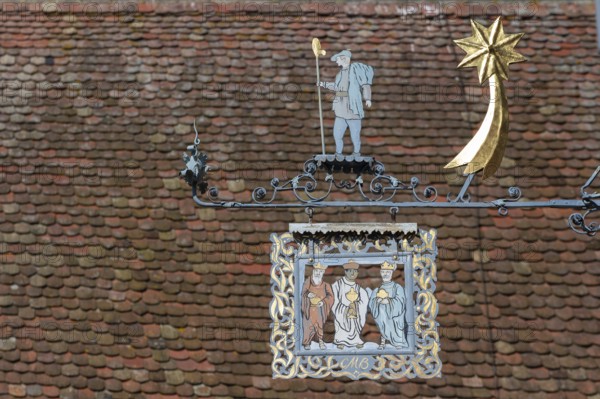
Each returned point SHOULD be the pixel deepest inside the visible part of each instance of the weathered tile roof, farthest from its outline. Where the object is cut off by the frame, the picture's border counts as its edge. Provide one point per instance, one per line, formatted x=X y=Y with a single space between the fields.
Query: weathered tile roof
x=114 y=284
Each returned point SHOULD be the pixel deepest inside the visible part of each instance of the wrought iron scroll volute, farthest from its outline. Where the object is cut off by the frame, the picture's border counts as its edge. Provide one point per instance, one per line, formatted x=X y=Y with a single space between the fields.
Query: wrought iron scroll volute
x=577 y=221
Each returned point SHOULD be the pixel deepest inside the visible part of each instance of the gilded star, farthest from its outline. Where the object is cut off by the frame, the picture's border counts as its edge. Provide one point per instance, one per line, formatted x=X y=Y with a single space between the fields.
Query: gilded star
x=490 y=50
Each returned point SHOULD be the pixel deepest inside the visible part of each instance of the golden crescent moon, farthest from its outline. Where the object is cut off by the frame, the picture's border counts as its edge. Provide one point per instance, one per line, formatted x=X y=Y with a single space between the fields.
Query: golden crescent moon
x=486 y=149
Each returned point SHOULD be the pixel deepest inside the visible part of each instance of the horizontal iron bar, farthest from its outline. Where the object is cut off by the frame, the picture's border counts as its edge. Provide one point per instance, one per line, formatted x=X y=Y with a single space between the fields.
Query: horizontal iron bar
x=563 y=204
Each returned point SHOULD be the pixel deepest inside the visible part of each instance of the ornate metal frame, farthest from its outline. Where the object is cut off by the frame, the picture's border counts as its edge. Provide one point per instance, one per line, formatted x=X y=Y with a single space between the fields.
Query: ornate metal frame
x=354 y=240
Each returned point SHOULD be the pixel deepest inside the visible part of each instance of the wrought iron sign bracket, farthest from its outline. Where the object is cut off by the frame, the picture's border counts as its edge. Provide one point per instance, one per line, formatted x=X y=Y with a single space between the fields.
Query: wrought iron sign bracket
x=491 y=51
x=376 y=189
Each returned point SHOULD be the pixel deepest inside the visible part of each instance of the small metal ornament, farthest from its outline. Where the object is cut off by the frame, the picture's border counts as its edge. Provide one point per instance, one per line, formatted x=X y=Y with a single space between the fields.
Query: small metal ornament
x=196 y=168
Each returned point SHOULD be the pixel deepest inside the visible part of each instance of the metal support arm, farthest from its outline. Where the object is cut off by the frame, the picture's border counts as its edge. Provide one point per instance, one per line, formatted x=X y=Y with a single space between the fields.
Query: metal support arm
x=376 y=190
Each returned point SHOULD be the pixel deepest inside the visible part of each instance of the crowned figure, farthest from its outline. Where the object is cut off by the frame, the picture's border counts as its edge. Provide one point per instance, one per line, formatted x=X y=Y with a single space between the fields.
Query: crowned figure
x=388 y=307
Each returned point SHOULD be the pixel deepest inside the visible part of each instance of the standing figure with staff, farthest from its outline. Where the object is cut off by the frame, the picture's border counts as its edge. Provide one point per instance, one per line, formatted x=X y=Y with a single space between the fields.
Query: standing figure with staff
x=352 y=86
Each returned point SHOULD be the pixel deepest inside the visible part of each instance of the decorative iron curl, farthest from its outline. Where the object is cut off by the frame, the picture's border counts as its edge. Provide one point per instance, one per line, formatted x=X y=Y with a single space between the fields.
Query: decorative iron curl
x=378 y=169
x=301 y=190
x=213 y=194
x=578 y=224
x=310 y=167
x=379 y=185
x=346 y=184
x=465 y=198
x=577 y=221
x=514 y=194
x=307 y=188
x=429 y=193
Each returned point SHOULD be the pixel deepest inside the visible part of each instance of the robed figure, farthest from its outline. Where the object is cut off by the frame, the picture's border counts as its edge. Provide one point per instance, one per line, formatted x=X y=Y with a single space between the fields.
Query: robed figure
x=317 y=298
x=349 y=308
x=388 y=307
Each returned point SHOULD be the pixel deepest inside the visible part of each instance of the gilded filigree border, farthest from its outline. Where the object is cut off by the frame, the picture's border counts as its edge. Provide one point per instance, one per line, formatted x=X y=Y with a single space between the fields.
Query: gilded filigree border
x=423 y=363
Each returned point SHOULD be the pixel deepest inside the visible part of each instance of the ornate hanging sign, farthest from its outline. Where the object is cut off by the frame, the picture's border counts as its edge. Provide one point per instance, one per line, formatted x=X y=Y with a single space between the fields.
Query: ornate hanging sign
x=330 y=280
x=357 y=300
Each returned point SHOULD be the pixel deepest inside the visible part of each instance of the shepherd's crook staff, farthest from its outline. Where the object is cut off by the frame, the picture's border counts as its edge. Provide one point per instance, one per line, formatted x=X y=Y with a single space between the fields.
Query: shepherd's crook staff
x=316 y=46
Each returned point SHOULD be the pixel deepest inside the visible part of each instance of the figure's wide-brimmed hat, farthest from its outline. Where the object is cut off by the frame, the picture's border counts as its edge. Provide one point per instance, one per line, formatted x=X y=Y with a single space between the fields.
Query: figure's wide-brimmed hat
x=351 y=265
x=345 y=53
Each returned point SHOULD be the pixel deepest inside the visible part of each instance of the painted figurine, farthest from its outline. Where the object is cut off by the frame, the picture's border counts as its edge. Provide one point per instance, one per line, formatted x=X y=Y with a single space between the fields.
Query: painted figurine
x=352 y=85
x=349 y=308
x=388 y=307
x=317 y=298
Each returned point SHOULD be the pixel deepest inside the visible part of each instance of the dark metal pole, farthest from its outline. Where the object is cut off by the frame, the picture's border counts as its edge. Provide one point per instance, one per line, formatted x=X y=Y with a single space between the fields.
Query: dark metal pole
x=562 y=204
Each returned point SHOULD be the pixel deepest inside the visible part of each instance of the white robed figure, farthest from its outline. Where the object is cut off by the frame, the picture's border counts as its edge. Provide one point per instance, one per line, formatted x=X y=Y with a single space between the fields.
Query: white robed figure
x=350 y=302
x=388 y=307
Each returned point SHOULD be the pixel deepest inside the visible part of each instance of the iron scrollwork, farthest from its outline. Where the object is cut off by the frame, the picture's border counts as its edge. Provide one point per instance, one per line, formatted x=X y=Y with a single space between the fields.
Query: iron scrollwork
x=375 y=188
x=370 y=182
